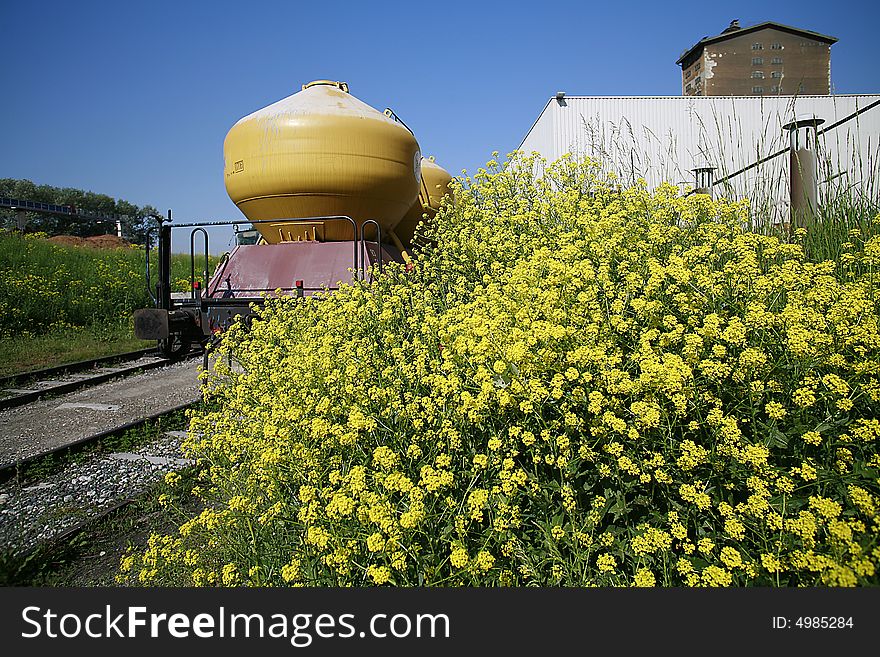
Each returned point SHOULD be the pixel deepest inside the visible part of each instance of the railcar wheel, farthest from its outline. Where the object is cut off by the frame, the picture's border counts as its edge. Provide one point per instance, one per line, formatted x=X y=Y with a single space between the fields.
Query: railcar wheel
x=174 y=347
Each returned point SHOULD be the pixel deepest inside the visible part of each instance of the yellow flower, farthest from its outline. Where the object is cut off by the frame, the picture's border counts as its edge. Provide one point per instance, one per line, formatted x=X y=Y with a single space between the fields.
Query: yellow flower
x=606 y=563
x=731 y=557
x=379 y=574
x=230 y=575
x=715 y=576
x=775 y=410
x=459 y=557
x=484 y=561
x=638 y=345
x=375 y=542
x=812 y=438
x=644 y=578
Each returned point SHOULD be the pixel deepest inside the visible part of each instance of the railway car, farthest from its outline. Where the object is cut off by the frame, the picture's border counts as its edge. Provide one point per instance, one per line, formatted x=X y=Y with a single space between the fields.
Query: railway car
x=331 y=188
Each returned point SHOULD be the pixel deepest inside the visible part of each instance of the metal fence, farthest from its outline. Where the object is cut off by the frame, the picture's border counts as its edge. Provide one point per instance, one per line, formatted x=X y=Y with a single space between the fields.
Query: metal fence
x=742 y=140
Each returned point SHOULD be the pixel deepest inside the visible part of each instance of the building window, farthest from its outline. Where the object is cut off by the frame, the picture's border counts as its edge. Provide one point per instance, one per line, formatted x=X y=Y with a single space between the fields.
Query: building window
x=776 y=46
x=696 y=67
x=757 y=61
x=758 y=75
x=776 y=74
x=757 y=90
x=776 y=60
x=697 y=80
x=687 y=75
x=801 y=88
x=757 y=46
x=776 y=89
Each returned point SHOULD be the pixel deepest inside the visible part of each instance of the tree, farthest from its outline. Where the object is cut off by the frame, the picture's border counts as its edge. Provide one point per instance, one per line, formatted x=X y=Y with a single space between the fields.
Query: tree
x=132 y=217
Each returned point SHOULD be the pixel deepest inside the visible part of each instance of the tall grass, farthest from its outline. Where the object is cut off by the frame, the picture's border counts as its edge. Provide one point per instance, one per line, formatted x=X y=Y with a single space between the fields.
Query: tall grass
x=848 y=164
x=46 y=287
x=51 y=288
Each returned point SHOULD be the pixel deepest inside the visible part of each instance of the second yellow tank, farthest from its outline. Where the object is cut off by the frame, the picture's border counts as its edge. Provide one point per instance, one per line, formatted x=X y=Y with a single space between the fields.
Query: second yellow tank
x=435 y=185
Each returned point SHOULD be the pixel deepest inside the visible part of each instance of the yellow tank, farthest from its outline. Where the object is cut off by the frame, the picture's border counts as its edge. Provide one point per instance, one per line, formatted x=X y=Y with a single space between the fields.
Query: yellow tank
x=321 y=152
x=435 y=185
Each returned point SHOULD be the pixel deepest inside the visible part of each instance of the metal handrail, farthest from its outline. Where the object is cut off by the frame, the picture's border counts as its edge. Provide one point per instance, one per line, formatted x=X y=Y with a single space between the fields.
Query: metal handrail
x=335 y=217
x=192 y=259
x=391 y=114
x=782 y=151
x=262 y=221
x=354 y=233
x=149 y=276
x=201 y=224
x=363 y=244
x=221 y=267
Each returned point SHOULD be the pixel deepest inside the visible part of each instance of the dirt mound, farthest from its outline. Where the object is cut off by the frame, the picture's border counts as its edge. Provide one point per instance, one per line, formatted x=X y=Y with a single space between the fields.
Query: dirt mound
x=107 y=242
x=96 y=242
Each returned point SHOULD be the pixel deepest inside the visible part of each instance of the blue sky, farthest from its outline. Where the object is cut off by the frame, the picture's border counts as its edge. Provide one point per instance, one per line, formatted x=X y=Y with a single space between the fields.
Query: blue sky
x=134 y=100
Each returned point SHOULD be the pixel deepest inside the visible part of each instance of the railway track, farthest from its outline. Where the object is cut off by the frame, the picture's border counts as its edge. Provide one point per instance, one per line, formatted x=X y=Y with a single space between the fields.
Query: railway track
x=41 y=515
x=50 y=491
x=111 y=401
x=20 y=389
x=15 y=469
x=76 y=366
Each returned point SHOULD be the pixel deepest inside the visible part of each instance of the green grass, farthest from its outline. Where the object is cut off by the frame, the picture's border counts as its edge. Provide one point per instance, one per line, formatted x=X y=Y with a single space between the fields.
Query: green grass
x=841 y=227
x=18 y=355
x=61 y=303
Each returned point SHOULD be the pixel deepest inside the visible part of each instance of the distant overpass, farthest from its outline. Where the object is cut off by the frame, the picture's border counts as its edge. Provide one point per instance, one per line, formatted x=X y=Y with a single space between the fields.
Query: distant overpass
x=20 y=207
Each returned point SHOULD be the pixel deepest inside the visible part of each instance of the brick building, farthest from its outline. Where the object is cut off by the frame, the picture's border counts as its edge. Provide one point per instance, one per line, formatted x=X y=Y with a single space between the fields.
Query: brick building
x=764 y=59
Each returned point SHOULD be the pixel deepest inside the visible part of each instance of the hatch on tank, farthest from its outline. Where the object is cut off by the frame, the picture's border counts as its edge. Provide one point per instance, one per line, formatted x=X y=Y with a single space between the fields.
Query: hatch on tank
x=246 y=235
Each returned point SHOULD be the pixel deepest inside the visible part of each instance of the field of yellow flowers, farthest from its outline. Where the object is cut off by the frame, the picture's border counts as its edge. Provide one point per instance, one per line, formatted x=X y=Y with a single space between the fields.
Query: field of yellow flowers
x=579 y=384
x=50 y=287
x=62 y=303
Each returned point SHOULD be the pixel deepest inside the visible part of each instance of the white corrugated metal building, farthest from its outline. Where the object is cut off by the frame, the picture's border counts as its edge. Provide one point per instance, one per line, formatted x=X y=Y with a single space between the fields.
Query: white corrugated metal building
x=664 y=138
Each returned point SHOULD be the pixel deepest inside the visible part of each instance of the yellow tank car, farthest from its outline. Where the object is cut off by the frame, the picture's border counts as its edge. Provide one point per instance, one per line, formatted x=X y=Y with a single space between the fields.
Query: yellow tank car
x=321 y=152
x=435 y=185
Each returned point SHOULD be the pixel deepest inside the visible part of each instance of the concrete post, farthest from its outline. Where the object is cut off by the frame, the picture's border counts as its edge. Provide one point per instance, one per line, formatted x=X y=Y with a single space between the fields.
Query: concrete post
x=21 y=219
x=704 y=176
x=803 y=192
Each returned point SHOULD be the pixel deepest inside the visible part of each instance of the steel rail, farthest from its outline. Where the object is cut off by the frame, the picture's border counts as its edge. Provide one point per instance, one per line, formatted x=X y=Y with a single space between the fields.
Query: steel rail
x=782 y=151
x=13 y=470
x=77 y=366
x=26 y=396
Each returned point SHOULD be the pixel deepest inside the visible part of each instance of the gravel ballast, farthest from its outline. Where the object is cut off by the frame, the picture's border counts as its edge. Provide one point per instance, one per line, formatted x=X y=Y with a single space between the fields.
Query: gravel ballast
x=43 y=511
